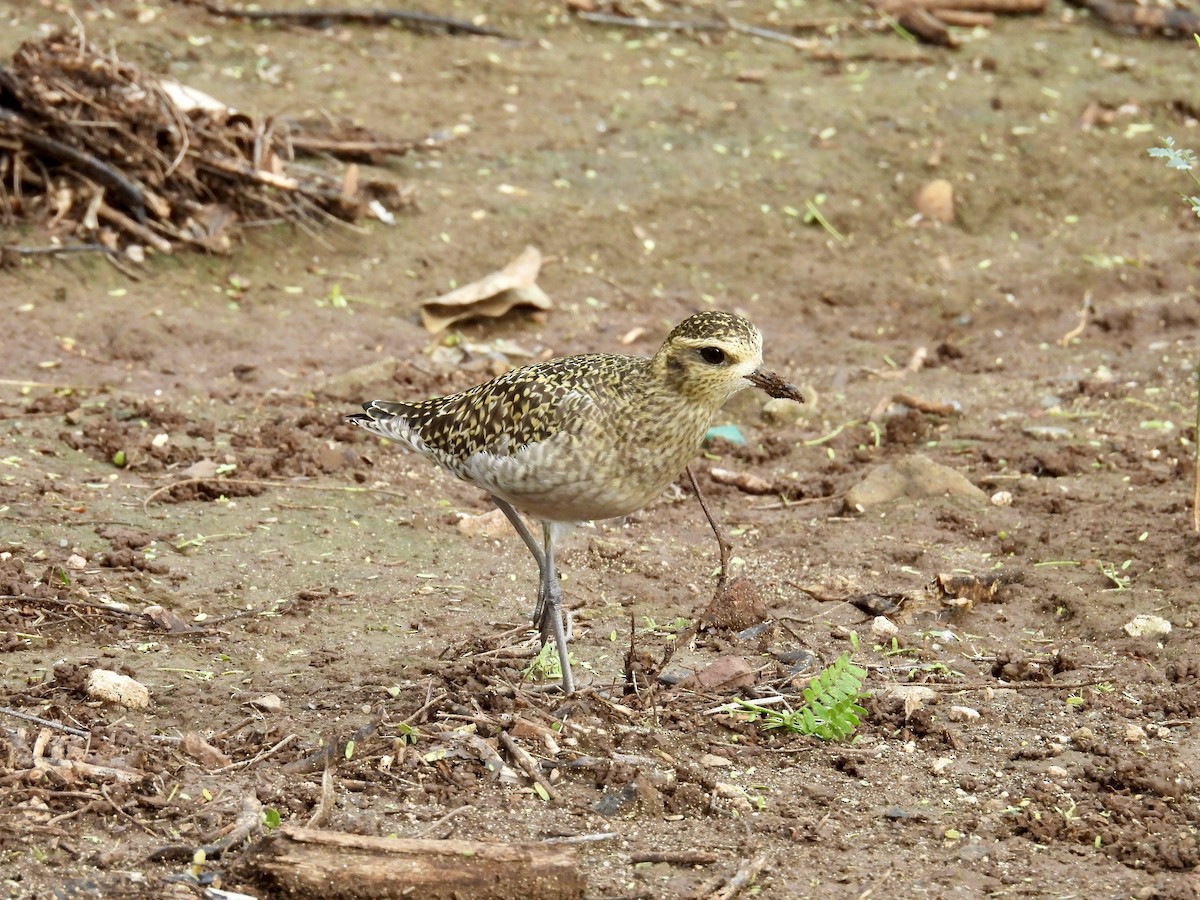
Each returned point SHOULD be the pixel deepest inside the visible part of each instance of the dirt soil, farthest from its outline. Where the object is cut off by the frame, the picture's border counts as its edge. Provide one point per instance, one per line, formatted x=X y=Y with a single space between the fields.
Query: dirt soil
x=281 y=582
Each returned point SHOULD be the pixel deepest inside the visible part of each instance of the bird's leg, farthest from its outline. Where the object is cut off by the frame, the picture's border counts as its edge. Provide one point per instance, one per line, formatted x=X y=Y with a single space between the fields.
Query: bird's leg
x=548 y=613
x=550 y=601
x=522 y=529
x=531 y=542
x=723 y=547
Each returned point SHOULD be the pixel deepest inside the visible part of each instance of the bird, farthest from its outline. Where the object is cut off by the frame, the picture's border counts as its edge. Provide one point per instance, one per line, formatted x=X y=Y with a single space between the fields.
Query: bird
x=583 y=438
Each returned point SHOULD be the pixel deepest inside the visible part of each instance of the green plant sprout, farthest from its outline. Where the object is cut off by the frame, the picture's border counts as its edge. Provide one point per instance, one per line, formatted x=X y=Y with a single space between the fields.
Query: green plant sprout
x=813 y=214
x=1179 y=158
x=830 y=711
x=1116 y=574
x=546 y=665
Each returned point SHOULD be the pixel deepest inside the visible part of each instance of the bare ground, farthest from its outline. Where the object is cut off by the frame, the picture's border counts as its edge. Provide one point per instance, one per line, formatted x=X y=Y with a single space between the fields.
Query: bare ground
x=663 y=174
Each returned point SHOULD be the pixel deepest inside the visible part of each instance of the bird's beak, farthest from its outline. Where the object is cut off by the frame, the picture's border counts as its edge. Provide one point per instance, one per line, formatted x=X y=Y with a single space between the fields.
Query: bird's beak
x=774 y=386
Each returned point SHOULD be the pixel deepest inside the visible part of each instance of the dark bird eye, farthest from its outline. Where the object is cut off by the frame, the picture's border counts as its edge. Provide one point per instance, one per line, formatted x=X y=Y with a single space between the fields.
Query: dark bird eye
x=714 y=356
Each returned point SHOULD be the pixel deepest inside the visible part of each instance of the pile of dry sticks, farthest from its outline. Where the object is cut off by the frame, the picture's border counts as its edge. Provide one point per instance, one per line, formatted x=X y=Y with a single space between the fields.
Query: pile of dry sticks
x=104 y=156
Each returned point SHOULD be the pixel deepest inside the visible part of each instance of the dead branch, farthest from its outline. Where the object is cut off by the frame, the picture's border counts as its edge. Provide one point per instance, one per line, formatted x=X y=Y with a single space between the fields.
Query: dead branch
x=322 y=18
x=926 y=26
x=44 y=723
x=722 y=888
x=301 y=862
x=966 y=18
x=920 y=404
x=96 y=146
x=674 y=857
x=643 y=22
x=135 y=194
x=528 y=764
x=999 y=7
x=1164 y=21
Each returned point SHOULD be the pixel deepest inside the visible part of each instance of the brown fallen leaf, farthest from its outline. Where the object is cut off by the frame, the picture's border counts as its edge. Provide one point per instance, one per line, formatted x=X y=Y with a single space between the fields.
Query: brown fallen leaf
x=201 y=468
x=493 y=295
x=967 y=590
x=727 y=673
x=167 y=620
x=202 y=751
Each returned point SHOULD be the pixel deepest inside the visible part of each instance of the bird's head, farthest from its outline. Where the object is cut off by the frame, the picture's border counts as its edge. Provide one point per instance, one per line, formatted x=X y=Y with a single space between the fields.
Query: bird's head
x=710 y=356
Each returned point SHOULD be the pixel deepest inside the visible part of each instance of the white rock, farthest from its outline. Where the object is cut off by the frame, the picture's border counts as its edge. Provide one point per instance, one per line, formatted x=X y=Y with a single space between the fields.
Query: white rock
x=935 y=201
x=963 y=714
x=103 y=684
x=1002 y=498
x=883 y=628
x=1134 y=734
x=268 y=703
x=493 y=522
x=914 y=696
x=715 y=762
x=75 y=561
x=912 y=692
x=1147 y=626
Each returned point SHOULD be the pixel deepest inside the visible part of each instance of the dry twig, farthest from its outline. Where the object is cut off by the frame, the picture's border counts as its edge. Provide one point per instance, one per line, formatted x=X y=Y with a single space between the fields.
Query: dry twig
x=322 y=18
x=98 y=146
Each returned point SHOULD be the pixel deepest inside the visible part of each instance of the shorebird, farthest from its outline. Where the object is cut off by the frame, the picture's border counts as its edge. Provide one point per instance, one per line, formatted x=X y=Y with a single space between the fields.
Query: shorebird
x=583 y=437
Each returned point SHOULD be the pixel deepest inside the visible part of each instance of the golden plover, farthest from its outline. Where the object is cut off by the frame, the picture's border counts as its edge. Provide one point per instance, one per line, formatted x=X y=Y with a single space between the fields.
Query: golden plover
x=583 y=437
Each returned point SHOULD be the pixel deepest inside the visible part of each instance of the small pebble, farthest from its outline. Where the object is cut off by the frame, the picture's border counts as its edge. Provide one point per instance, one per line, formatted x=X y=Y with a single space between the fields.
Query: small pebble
x=731 y=433
x=883 y=628
x=103 y=684
x=715 y=762
x=962 y=714
x=1147 y=626
x=491 y=522
x=1057 y=772
x=1134 y=734
x=1002 y=498
x=1047 y=432
x=752 y=76
x=935 y=201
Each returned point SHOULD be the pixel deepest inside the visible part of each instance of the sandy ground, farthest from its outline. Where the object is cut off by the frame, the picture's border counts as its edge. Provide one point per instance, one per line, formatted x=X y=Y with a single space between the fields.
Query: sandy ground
x=317 y=585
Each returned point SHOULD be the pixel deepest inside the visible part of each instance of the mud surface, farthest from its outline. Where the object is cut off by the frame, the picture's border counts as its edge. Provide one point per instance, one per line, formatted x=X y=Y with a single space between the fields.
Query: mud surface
x=281 y=582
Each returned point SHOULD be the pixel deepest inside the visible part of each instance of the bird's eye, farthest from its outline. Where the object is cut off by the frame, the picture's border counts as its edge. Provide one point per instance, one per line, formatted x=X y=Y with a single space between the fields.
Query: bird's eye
x=714 y=356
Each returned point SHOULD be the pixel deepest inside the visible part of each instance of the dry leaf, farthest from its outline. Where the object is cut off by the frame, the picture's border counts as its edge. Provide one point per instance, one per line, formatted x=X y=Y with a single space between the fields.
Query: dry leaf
x=726 y=674
x=492 y=295
x=166 y=619
x=202 y=751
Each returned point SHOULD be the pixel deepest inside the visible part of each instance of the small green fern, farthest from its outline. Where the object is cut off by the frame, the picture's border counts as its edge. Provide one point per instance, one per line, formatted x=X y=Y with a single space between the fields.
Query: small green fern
x=830 y=711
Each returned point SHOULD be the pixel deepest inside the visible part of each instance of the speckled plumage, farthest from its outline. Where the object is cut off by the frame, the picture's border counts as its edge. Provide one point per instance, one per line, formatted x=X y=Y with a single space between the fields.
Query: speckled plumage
x=584 y=437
